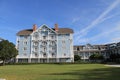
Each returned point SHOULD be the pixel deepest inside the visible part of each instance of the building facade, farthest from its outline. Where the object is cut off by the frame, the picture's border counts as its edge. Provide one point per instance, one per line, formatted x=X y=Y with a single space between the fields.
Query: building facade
x=113 y=48
x=45 y=45
x=86 y=50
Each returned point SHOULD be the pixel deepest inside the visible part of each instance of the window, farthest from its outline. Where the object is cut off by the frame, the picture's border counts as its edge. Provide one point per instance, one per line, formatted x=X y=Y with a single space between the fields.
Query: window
x=67 y=34
x=86 y=54
x=78 y=49
x=52 y=37
x=64 y=47
x=52 y=42
x=53 y=54
x=64 y=54
x=36 y=48
x=44 y=43
x=44 y=49
x=18 y=41
x=36 y=55
x=64 y=36
x=45 y=55
x=36 y=35
x=63 y=41
x=25 y=37
x=25 y=43
x=35 y=43
x=44 y=37
x=53 y=48
x=25 y=54
x=25 y=48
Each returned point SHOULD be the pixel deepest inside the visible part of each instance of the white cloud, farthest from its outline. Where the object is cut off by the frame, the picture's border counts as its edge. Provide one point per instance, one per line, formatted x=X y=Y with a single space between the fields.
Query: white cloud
x=106 y=34
x=100 y=19
x=109 y=17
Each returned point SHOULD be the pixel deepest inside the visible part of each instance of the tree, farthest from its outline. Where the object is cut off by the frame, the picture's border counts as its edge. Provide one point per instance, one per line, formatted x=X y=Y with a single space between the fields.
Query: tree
x=7 y=51
x=114 y=57
x=96 y=57
x=77 y=57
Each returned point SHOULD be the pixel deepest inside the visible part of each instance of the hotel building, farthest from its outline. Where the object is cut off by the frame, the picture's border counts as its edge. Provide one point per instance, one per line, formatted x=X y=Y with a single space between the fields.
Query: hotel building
x=45 y=45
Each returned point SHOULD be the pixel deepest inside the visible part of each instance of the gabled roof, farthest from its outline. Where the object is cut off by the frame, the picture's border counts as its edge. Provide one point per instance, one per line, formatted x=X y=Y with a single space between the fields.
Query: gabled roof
x=65 y=30
x=60 y=31
x=25 y=32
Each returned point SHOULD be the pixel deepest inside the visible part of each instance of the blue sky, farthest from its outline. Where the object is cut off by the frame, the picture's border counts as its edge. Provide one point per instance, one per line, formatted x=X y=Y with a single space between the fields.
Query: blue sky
x=93 y=21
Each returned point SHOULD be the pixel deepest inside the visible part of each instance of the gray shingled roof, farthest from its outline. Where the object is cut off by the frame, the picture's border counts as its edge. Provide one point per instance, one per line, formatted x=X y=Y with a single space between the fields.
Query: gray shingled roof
x=60 y=31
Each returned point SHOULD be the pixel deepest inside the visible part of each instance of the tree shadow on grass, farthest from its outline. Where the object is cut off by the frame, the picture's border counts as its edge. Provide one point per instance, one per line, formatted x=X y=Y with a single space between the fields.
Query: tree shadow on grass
x=95 y=74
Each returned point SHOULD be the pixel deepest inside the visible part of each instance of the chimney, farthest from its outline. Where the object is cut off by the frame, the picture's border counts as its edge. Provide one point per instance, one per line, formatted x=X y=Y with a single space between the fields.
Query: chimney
x=56 y=27
x=34 y=27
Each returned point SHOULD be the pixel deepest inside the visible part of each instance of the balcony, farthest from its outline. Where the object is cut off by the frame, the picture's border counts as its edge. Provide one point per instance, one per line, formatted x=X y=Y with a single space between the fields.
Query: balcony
x=44 y=43
x=43 y=51
x=35 y=39
x=52 y=38
x=35 y=51
x=35 y=44
x=52 y=51
x=44 y=38
x=52 y=44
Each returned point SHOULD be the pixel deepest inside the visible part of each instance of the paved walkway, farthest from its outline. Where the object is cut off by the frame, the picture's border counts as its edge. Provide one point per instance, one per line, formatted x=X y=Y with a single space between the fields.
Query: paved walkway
x=117 y=65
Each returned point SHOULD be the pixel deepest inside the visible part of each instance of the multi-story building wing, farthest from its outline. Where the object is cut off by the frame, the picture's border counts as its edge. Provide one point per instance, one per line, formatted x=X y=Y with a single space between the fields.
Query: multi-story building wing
x=86 y=50
x=45 y=45
x=113 y=48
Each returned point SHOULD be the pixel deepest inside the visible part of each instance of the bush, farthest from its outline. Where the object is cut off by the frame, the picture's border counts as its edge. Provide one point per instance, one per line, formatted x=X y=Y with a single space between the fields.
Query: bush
x=77 y=58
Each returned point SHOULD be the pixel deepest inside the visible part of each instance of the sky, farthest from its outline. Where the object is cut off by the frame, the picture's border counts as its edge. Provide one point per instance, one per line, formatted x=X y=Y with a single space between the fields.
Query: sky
x=93 y=21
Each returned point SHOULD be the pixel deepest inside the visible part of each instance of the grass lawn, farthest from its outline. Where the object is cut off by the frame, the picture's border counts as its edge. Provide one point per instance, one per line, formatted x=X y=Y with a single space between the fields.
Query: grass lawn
x=59 y=72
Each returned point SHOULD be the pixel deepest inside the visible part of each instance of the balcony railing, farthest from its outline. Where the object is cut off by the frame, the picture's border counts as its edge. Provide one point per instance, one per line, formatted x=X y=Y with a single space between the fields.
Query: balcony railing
x=52 y=51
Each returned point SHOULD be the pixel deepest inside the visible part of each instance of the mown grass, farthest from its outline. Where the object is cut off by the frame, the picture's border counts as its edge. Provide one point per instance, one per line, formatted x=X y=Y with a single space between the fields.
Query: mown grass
x=59 y=72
